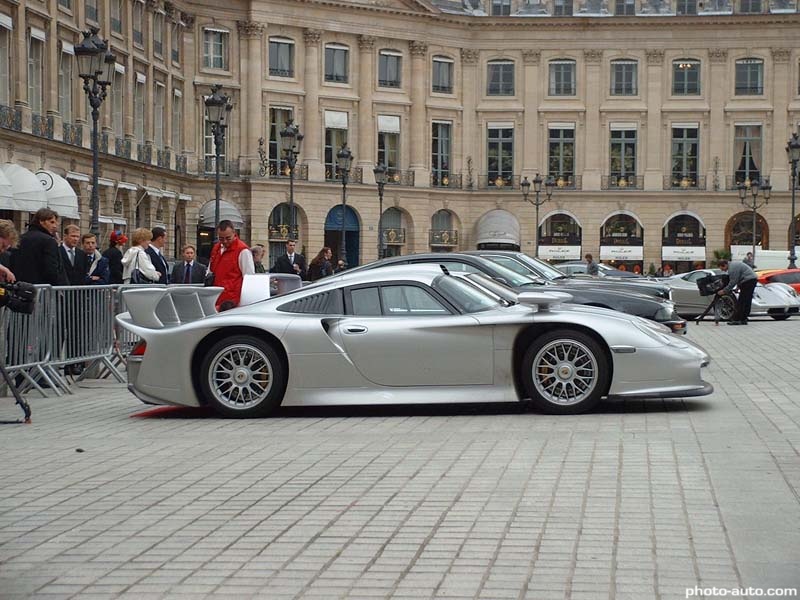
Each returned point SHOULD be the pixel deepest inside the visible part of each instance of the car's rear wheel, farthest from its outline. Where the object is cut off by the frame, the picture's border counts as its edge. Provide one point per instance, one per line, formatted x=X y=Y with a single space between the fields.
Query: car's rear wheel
x=243 y=376
x=725 y=307
x=565 y=372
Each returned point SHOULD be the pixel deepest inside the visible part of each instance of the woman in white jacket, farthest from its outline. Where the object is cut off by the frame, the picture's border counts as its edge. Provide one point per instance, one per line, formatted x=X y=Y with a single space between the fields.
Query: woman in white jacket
x=136 y=257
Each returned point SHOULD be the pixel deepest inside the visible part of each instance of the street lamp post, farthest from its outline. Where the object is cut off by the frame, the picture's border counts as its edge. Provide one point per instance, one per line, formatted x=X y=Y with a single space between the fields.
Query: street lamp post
x=217 y=109
x=525 y=185
x=793 y=149
x=751 y=201
x=343 y=160
x=380 y=172
x=291 y=141
x=96 y=68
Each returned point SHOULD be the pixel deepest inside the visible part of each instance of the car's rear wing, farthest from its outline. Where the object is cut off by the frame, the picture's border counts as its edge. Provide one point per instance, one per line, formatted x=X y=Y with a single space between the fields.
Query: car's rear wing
x=158 y=308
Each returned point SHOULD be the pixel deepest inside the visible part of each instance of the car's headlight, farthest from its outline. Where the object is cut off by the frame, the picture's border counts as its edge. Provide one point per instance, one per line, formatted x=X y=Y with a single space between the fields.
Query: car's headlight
x=656 y=331
x=666 y=312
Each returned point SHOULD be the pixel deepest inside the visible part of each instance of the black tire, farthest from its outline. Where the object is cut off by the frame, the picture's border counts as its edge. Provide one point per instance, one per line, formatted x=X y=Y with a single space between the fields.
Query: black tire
x=725 y=307
x=243 y=376
x=565 y=372
x=780 y=317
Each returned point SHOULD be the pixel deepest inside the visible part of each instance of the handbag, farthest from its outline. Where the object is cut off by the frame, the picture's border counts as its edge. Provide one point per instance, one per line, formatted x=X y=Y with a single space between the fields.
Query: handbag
x=137 y=276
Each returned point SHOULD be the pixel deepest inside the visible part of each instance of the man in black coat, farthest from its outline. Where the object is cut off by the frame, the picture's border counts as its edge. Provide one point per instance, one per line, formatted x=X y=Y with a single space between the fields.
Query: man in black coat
x=292 y=262
x=97 y=265
x=38 y=259
x=73 y=257
x=154 y=251
x=114 y=255
x=188 y=270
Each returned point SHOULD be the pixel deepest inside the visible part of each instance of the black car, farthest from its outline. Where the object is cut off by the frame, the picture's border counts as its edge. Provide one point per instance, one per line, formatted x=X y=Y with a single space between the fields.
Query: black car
x=656 y=309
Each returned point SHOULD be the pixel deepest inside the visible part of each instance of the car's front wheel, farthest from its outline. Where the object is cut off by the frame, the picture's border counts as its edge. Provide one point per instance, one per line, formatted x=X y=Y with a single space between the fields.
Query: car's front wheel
x=565 y=372
x=243 y=376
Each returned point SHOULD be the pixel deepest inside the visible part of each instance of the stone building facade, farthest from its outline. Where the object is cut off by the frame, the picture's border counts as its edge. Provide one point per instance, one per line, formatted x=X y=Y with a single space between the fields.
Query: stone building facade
x=647 y=114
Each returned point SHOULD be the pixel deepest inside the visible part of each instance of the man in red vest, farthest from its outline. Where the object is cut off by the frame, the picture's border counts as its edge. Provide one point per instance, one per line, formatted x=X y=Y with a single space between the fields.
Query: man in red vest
x=231 y=260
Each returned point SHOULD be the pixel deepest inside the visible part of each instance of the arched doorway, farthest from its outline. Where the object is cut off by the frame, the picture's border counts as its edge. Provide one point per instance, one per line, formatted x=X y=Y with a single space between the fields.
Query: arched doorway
x=393 y=231
x=333 y=234
x=683 y=243
x=739 y=234
x=280 y=230
x=205 y=224
x=443 y=236
x=622 y=242
x=498 y=230
x=560 y=236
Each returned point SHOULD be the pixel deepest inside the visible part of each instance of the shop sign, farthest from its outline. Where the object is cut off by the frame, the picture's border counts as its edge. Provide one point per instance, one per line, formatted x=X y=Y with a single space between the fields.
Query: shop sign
x=693 y=253
x=621 y=252
x=560 y=252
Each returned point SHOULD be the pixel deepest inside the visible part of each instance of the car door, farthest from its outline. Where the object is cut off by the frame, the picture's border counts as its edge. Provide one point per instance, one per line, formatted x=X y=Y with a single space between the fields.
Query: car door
x=686 y=296
x=404 y=334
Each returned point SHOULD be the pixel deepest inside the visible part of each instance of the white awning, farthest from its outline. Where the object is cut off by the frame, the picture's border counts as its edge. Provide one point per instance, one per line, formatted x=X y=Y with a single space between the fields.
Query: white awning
x=112 y=220
x=226 y=211
x=27 y=193
x=6 y=192
x=155 y=192
x=60 y=195
x=498 y=227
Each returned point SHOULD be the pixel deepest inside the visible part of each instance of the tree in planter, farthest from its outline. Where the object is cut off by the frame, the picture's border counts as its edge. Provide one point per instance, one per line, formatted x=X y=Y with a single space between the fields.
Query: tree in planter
x=719 y=255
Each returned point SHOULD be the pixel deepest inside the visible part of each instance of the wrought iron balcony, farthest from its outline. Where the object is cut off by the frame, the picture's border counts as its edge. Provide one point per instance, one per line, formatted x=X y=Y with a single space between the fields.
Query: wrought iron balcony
x=688 y=183
x=72 y=134
x=10 y=118
x=448 y=180
x=181 y=164
x=733 y=181
x=43 y=126
x=393 y=236
x=280 y=232
x=164 y=158
x=443 y=237
x=300 y=171
x=144 y=153
x=356 y=174
x=227 y=168
x=399 y=177
x=622 y=182
x=104 y=143
x=567 y=182
x=496 y=182
x=122 y=147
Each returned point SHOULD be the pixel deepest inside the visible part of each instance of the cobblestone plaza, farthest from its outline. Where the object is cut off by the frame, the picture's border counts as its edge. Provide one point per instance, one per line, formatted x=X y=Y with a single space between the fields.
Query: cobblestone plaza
x=639 y=500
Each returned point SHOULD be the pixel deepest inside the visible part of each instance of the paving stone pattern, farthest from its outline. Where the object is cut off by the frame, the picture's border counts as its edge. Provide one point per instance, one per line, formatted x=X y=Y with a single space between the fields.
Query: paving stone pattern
x=639 y=500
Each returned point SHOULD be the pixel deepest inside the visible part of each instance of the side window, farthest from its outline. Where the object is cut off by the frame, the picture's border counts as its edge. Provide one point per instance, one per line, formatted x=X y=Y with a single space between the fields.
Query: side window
x=409 y=300
x=457 y=267
x=326 y=303
x=695 y=276
x=365 y=302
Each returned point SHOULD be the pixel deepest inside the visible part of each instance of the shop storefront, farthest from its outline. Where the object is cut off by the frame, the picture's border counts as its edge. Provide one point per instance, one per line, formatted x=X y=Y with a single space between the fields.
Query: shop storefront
x=498 y=230
x=560 y=237
x=622 y=242
x=683 y=243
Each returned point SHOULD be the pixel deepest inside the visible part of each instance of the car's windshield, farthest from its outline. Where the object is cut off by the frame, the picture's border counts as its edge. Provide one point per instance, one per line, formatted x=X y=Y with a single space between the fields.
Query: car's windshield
x=492 y=286
x=467 y=298
x=547 y=270
x=511 y=278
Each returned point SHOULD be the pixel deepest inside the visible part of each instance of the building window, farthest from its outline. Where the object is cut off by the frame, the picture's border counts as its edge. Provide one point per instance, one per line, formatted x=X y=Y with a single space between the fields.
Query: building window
x=65 y=4
x=278 y=118
x=562 y=8
x=177 y=121
x=210 y=151
x=281 y=57
x=389 y=68
x=441 y=142
x=65 y=86
x=92 y=13
x=686 y=7
x=35 y=74
x=158 y=34
x=623 y=154
x=750 y=6
x=747 y=153
x=138 y=108
x=562 y=77
x=561 y=153
x=138 y=23
x=501 y=8
x=336 y=63
x=215 y=49
x=5 y=66
x=175 y=42
x=685 y=77
x=116 y=16
x=118 y=104
x=158 y=116
x=500 y=78
x=623 y=77
x=500 y=156
x=749 y=77
x=334 y=140
x=685 y=144
x=389 y=153
x=442 y=76
x=624 y=8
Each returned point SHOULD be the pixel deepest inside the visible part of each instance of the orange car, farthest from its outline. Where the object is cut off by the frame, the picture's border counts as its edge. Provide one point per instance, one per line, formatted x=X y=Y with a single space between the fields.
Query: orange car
x=788 y=276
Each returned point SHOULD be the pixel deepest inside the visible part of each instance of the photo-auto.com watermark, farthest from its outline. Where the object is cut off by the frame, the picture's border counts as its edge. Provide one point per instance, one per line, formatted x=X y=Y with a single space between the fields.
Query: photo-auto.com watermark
x=749 y=592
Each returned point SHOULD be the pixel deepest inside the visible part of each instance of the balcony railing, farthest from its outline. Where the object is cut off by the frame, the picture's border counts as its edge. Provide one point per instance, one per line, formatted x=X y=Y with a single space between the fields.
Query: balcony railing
x=507 y=182
x=122 y=147
x=280 y=232
x=450 y=180
x=181 y=164
x=567 y=182
x=300 y=171
x=144 y=153
x=393 y=236
x=443 y=237
x=164 y=158
x=356 y=175
x=622 y=182
x=10 y=118
x=688 y=183
x=733 y=181
x=104 y=143
x=227 y=168
x=72 y=134
x=43 y=126
x=399 y=177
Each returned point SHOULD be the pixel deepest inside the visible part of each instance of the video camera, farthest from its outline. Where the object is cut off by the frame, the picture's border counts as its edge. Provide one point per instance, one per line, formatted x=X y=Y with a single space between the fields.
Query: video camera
x=19 y=297
x=711 y=284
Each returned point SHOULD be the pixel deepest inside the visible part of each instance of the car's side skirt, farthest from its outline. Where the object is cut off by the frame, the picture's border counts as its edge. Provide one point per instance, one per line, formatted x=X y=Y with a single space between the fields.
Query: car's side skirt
x=411 y=395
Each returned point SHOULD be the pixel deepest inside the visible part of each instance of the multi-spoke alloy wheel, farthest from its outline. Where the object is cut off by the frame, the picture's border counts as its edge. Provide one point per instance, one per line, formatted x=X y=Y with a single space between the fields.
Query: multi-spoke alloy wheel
x=243 y=377
x=565 y=372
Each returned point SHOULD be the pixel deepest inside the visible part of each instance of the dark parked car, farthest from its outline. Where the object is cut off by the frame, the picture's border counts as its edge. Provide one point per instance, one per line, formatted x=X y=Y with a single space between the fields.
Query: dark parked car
x=656 y=309
x=578 y=267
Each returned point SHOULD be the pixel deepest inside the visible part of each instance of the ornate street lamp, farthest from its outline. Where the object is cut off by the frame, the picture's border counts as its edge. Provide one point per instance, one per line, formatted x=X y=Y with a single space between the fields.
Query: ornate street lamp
x=291 y=141
x=793 y=150
x=525 y=185
x=750 y=201
x=217 y=108
x=380 y=172
x=344 y=159
x=96 y=68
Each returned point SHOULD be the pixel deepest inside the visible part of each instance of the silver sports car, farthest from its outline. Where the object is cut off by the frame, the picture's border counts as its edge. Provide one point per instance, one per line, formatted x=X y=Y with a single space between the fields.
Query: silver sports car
x=406 y=335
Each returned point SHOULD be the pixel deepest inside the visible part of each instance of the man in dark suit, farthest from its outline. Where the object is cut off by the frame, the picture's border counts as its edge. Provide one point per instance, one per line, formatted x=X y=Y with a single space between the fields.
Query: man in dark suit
x=98 y=272
x=292 y=262
x=73 y=258
x=188 y=270
x=154 y=251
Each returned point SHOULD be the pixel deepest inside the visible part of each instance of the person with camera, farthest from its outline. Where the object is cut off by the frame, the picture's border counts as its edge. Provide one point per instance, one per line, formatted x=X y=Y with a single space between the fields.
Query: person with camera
x=8 y=237
x=136 y=264
x=741 y=275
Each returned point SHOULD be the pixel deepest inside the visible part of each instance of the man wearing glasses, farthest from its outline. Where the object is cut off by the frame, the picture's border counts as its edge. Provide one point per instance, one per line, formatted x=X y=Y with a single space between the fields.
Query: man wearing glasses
x=231 y=260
